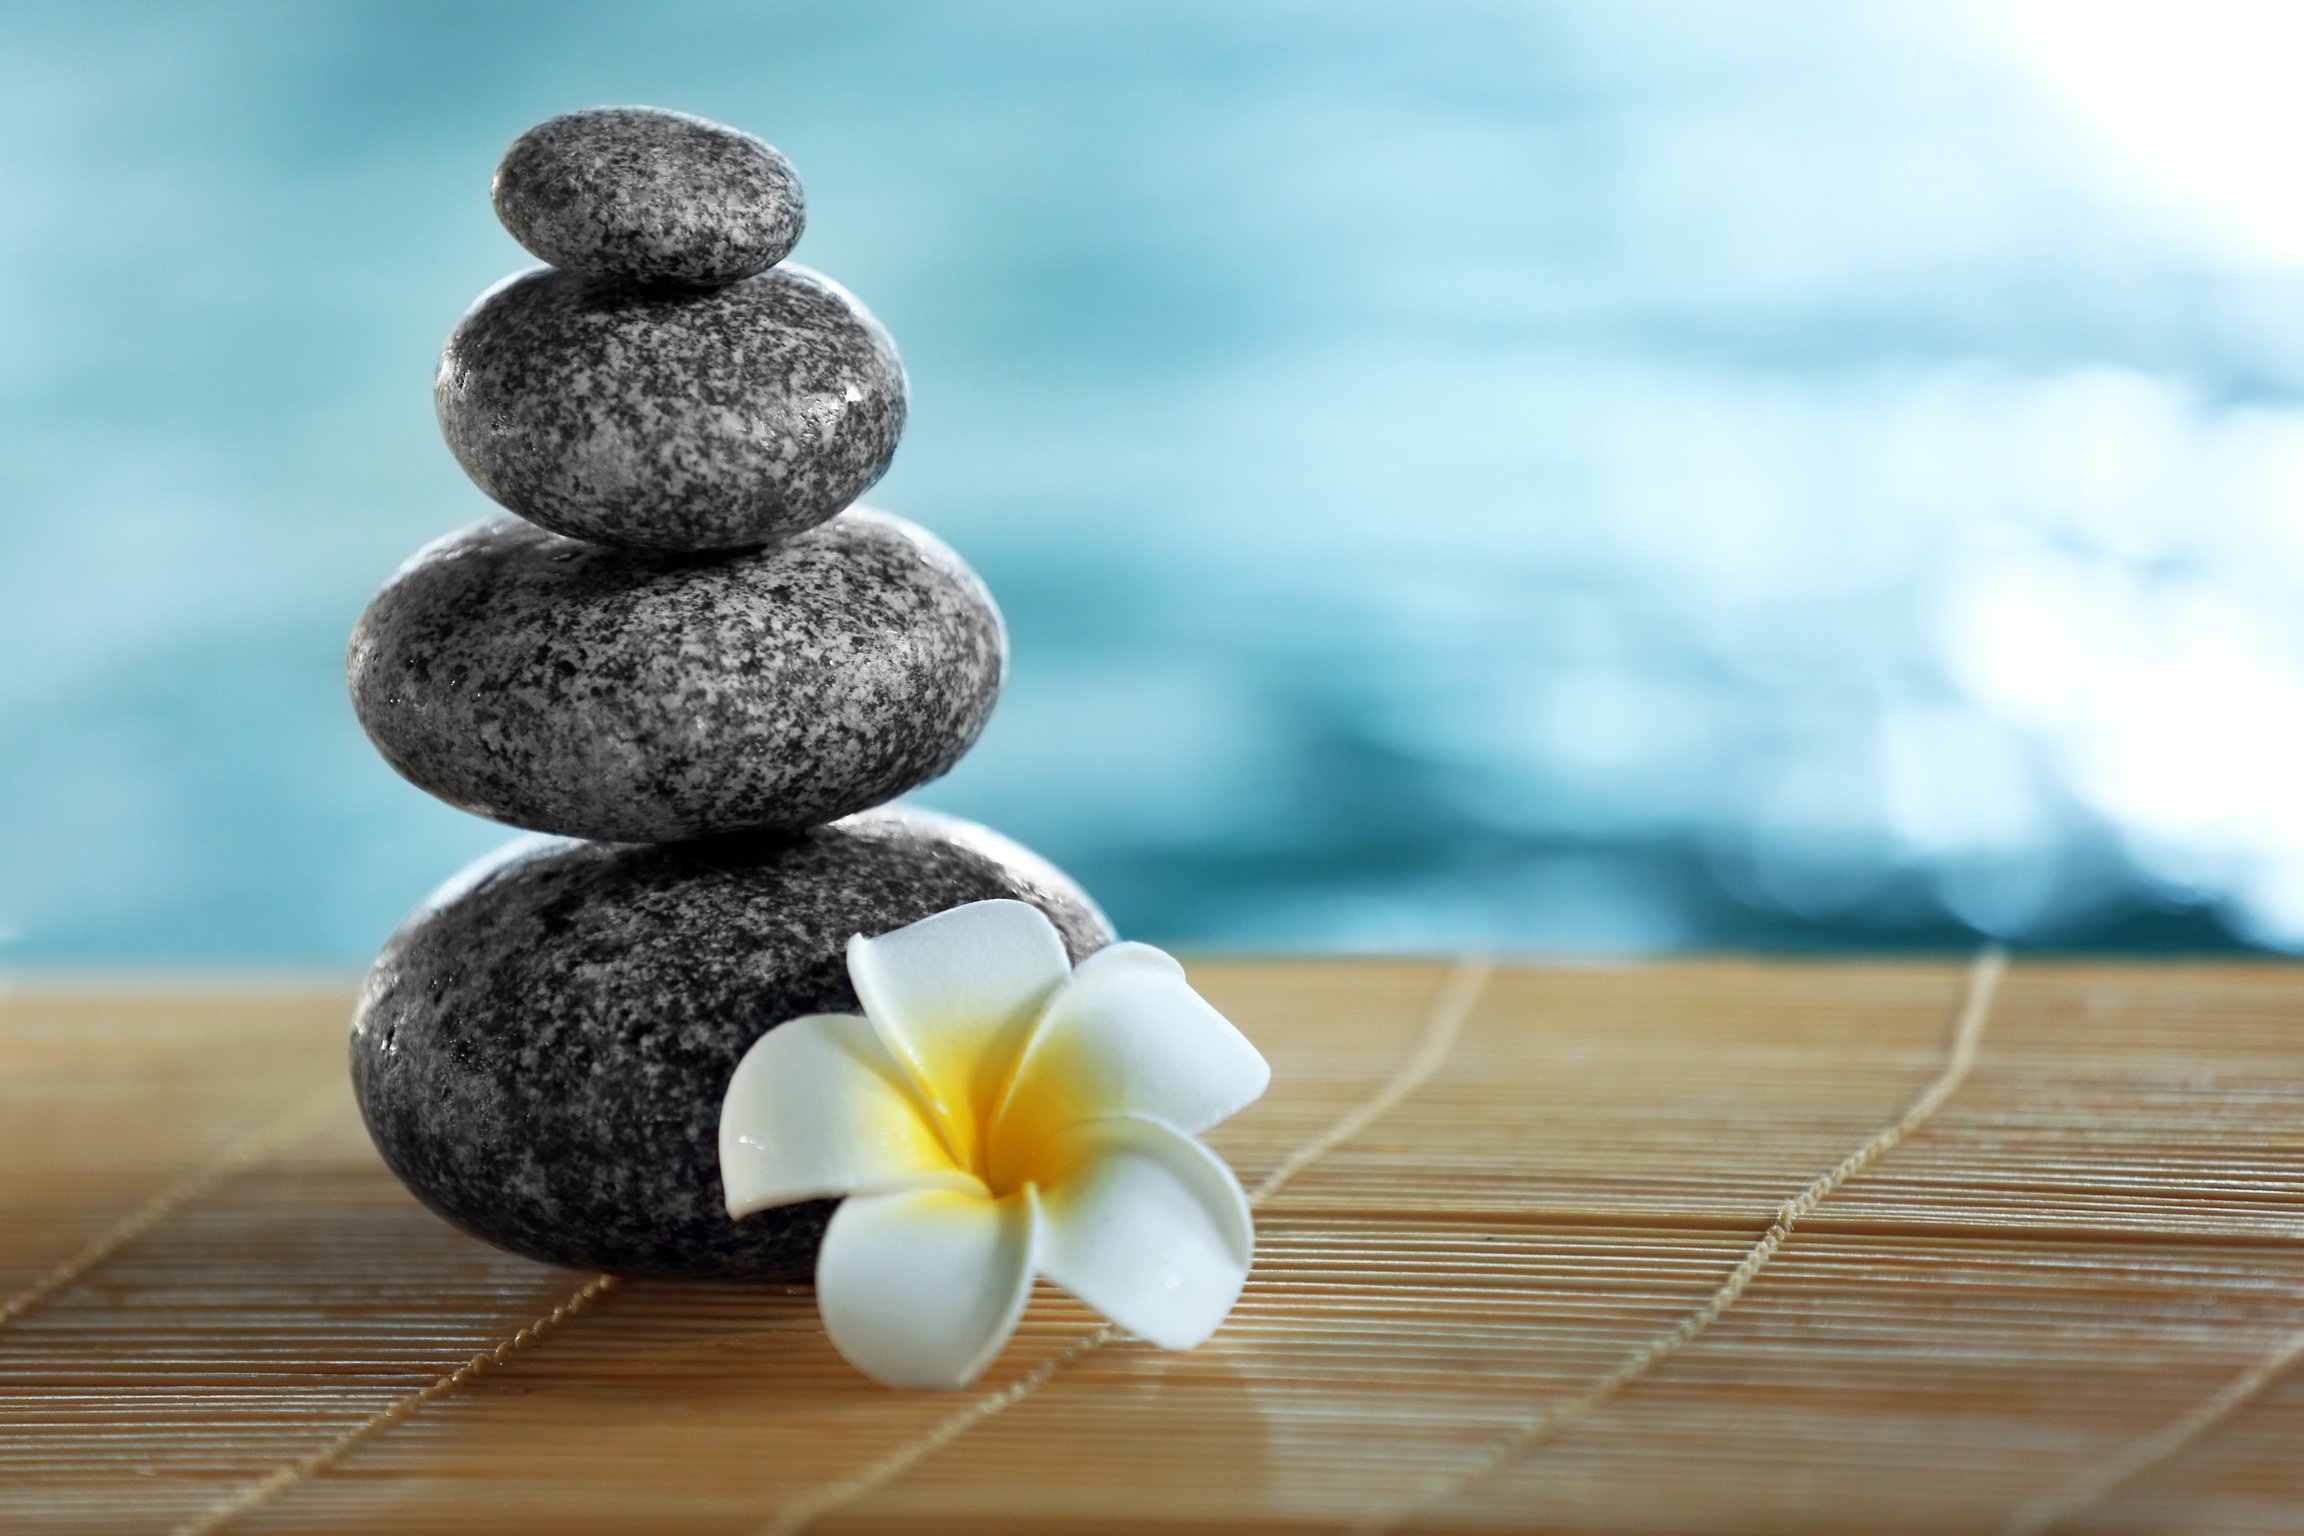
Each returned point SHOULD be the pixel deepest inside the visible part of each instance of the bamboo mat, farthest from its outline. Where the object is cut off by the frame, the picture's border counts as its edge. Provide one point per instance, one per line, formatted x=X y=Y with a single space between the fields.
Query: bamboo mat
x=1707 y=1246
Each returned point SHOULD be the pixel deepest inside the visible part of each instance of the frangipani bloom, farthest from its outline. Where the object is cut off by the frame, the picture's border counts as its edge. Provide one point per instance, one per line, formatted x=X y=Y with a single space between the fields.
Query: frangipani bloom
x=996 y=1114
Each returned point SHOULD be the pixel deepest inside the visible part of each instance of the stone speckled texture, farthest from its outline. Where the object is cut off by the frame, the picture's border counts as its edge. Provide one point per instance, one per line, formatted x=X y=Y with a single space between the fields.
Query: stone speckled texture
x=649 y=196
x=541 y=1051
x=668 y=419
x=557 y=685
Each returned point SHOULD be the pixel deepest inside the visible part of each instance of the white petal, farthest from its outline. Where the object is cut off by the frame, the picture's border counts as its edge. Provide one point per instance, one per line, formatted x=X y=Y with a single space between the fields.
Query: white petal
x=956 y=994
x=1145 y=1225
x=922 y=1289
x=818 y=1107
x=1126 y=1035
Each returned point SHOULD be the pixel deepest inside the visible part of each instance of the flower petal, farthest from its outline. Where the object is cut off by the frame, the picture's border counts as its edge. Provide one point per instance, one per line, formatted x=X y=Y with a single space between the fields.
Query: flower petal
x=955 y=995
x=921 y=1289
x=1145 y=1225
x=818 y=1107
x=1126 y=1035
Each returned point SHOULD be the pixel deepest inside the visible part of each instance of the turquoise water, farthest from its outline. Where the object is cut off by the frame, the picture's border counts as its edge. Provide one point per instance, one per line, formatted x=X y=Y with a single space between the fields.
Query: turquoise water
x=1589 y=475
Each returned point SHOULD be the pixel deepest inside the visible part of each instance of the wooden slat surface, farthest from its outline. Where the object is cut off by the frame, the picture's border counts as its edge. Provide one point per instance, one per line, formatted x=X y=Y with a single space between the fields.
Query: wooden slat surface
x=1516 y=1271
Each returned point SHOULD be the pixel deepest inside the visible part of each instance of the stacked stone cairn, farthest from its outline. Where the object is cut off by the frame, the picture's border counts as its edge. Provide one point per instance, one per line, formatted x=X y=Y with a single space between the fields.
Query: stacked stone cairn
x=693 y=660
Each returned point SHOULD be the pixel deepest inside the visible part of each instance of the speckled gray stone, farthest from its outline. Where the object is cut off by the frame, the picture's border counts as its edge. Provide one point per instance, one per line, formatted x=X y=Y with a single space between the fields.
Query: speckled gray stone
x=560 y=686
x=541 y=1051
x=649 y=196
x=665 y=419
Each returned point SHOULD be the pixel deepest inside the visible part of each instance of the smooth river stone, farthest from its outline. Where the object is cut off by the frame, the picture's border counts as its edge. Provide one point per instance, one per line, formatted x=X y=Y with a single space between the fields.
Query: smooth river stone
x=568 y=688
x=541 y=1050
x=665 y=419
x=649 y=196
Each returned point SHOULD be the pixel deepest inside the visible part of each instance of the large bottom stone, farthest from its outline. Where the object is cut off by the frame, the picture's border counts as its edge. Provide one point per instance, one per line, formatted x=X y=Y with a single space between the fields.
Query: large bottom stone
x=541 y=1050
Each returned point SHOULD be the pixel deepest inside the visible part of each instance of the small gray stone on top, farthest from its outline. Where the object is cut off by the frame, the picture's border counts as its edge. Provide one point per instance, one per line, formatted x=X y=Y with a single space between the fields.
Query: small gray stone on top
x=599 y=693
x=649 y=196
x=654 y=418
x=541 y=1051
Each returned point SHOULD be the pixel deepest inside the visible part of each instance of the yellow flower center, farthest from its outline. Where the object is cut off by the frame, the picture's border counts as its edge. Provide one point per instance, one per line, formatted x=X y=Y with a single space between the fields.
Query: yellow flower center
x=996 y=1142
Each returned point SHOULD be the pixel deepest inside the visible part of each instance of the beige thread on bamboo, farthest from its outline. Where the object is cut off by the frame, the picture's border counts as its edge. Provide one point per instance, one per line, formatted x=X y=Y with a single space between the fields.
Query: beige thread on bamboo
x=1442 y=1025
x=2089 y=1488
x=271 y=1486
x=304 y=1117
x=1967 y=1035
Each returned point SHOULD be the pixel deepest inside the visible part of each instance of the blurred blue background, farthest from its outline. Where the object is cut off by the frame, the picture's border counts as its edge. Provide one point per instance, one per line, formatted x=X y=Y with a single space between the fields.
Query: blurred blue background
x=1566 y=474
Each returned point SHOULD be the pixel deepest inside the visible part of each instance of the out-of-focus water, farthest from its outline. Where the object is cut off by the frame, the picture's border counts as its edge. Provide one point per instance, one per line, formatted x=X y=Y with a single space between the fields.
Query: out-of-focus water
x=1590 y=474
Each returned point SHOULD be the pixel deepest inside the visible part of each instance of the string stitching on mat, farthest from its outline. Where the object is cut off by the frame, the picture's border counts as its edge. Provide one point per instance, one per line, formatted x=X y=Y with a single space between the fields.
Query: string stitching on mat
x=1967 y=1035
x=1457 y=996
x=267 y=1488
x=301 y=1119
x=2090 y=1488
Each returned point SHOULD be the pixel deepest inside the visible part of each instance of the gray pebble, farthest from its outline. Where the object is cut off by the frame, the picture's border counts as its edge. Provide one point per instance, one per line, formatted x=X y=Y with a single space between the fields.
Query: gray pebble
x=649 y=196
x=541 y=1051
x=557 y=685
x=659 y=419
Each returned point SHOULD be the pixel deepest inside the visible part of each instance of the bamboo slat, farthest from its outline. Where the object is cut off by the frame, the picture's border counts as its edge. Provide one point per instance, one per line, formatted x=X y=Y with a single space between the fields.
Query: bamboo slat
x=1699 y=1246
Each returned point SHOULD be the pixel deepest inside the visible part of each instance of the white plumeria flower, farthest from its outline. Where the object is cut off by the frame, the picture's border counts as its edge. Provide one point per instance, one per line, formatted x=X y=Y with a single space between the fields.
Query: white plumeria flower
x=997 y=1114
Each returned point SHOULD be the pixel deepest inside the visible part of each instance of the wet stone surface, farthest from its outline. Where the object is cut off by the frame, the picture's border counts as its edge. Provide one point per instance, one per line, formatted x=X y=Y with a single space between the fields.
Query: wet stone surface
x=541 y=1051
x=565 y=687
x=646 y=195
x=672 y=420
